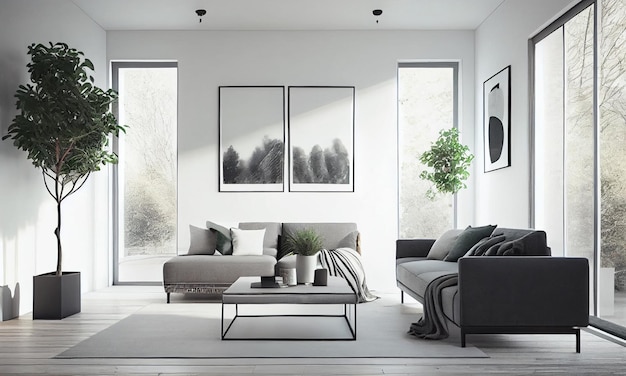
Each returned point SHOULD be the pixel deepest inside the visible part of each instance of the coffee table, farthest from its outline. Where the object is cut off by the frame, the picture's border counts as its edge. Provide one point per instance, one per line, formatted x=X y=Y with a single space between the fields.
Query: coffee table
x=337 y=292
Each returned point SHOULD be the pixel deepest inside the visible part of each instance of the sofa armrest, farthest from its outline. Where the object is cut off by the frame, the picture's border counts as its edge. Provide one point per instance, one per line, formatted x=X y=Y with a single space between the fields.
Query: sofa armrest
x=531 y=291
x=413 y=247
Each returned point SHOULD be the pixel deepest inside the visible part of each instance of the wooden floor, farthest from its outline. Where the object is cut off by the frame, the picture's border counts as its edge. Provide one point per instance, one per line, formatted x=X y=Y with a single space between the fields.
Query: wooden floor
x=28 y=347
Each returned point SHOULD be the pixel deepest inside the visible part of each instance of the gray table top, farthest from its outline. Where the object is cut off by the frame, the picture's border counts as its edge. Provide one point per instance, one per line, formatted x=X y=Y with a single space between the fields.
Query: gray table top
x=336 y=292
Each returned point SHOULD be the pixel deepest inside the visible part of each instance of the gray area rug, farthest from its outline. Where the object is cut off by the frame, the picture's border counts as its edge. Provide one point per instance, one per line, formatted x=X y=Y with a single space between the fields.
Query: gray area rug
x=193 y=331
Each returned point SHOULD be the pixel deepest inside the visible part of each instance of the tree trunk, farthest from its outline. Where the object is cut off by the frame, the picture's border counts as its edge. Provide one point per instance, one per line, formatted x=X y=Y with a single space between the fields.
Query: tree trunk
x=57 y=232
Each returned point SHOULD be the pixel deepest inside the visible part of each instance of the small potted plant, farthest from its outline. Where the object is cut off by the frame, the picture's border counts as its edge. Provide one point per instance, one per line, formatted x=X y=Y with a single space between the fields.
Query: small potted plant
x=448 y=161
x=64 y=125
x=305 y=244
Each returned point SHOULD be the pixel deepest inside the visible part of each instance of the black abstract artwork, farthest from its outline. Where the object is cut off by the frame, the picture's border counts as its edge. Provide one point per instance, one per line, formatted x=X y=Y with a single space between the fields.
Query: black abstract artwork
x=497 y=123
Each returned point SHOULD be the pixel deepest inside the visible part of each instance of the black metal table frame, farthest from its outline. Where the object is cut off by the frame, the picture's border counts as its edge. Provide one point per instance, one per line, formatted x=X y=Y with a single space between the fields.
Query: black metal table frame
x=345 y=316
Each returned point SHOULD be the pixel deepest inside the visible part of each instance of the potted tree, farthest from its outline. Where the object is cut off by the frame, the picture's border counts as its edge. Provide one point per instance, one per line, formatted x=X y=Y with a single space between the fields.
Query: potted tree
x=305 y=244
x=64 y=124
x=448 y=161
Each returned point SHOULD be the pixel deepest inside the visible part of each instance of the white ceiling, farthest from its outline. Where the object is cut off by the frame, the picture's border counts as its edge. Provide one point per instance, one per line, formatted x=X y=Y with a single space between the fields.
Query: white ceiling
x=288 y=14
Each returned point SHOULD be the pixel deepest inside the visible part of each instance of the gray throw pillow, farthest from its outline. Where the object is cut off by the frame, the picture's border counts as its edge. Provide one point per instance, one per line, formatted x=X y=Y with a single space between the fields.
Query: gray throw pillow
x=467 y=239
x=349 y=241
x=223 y=241
x=201 y=241
x=442 y=246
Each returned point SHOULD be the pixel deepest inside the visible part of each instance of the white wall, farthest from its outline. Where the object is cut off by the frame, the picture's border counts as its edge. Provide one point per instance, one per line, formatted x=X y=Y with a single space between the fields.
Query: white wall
x=27 y=212
x=366 y=60
x=502 y=196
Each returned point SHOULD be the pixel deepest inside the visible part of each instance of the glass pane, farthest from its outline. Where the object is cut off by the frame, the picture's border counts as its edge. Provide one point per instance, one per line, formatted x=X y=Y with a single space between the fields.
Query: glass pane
x=612 y=281
x=147 y=171
x=426 y=105
x=564 y=139
x=549 y=153
x=579 y=136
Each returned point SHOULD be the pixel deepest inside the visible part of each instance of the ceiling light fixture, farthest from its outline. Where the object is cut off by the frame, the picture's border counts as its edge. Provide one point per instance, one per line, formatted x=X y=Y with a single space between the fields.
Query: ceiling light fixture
x=200 y=13
x=376 y=13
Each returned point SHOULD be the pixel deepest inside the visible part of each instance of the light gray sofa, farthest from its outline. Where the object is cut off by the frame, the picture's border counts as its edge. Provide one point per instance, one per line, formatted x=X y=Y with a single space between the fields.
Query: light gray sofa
x=212 y=274
x=516 y=288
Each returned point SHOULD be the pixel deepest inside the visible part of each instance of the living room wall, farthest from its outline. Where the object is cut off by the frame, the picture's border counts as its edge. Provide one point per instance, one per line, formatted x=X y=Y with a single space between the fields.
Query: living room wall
x=503 y=196
x=364 y=59
x=28 y=214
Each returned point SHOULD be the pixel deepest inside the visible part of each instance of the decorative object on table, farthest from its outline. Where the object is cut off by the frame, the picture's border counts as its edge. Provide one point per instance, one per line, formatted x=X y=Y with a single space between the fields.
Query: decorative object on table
x=321 y=277
x=448 y=161
x=321 y=138
x=252 y=138
x=289 y=276
x=497 y=120
x=305 y=244
x=266 y=282
x=64 y=124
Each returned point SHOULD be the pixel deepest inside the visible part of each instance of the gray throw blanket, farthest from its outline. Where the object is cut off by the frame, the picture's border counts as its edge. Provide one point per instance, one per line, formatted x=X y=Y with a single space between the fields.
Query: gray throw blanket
x=346 y=263
x=432 y=324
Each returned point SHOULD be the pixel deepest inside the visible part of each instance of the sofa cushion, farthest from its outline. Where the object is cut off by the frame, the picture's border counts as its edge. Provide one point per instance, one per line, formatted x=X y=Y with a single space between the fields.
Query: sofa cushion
x=451 y=303
x=247 y=242
x=222 y=236
x=443 y=244
x=467 y=239
x=201 y=241
x=215 y=269
x=332 y=234
x=416 y=275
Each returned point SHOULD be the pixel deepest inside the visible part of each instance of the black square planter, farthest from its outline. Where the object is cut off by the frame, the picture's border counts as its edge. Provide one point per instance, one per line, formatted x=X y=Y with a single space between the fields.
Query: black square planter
x=56 y=297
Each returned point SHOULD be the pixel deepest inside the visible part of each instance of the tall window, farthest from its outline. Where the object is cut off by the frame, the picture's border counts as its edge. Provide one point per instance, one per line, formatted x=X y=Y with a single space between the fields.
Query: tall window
x=579 y=140
x=145 y=191
x=427 y=103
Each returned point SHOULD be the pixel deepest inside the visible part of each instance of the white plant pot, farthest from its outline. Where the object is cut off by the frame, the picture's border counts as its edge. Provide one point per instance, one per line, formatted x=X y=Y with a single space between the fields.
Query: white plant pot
x=305 y=268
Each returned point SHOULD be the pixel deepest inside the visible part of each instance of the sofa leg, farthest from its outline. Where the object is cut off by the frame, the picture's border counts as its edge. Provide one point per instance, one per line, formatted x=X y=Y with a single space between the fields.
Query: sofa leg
x=401 y=297
x=578 y=340
x=168 y=298
x=462 y=338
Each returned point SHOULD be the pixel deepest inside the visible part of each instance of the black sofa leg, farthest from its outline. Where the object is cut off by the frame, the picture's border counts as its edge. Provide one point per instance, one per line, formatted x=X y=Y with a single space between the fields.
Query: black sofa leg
x=168 y=298
x=462 y=338
x=401 y=297
x=578 y=341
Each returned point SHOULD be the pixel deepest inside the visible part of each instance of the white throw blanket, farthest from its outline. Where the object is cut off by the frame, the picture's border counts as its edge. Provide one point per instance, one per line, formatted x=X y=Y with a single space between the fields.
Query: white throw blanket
x=346 y=263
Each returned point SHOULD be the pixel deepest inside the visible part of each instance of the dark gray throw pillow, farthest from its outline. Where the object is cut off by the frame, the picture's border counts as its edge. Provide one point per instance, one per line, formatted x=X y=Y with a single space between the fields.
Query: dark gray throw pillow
x=467 y=239
x=482 y=246
x=532 y=244
x=223 y=241
x=201 y=241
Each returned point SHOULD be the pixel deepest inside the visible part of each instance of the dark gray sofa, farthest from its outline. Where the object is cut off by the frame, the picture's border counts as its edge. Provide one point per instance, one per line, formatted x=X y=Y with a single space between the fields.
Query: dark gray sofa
x=213 y=273
x=526 y=291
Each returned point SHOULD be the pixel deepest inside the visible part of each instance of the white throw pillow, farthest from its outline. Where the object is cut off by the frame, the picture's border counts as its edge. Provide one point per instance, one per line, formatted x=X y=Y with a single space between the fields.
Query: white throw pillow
x=247 y=242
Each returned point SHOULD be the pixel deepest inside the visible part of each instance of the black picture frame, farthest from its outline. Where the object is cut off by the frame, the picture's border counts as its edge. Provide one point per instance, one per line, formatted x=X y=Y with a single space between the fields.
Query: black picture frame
x=321 y=129
x=251 y=138
x=497 y=120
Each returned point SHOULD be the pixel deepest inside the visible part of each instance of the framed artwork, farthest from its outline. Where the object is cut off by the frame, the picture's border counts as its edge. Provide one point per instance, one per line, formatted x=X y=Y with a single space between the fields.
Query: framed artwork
x=497 y=120
x=321 y=138
x=251 y=138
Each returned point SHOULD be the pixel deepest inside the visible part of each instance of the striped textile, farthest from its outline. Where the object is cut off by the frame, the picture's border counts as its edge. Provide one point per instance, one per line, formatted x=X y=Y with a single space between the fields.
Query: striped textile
x=346 y=263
